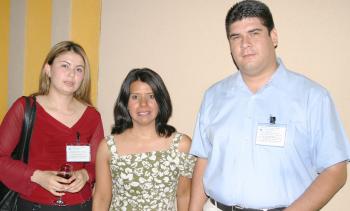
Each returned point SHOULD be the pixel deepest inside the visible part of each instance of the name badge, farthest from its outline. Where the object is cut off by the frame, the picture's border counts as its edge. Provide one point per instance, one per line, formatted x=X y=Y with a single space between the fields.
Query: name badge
x=78 y=153
x=271 y=135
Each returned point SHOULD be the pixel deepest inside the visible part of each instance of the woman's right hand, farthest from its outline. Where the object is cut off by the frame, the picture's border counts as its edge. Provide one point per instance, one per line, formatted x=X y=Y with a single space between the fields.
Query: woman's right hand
x=50 y=181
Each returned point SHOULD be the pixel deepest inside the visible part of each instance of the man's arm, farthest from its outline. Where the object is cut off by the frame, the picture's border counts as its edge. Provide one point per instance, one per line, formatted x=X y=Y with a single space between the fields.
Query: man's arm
x=198 y=196
x=325 y=186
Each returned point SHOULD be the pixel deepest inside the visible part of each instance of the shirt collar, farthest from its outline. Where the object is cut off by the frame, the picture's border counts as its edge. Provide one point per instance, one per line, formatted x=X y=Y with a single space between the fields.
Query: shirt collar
x=278 y=79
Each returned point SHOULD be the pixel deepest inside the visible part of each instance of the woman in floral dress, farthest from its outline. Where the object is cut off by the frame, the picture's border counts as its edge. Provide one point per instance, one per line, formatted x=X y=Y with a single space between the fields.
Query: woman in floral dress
x=144 y=165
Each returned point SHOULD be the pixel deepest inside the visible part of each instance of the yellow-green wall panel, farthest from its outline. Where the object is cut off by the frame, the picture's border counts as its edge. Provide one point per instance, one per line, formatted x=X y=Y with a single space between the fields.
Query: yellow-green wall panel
x=38 y=41
x=4 y=54
x=85 y=29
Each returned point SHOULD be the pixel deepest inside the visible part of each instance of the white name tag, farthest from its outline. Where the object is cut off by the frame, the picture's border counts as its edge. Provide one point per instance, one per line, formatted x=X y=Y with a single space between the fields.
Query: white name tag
x=271 y=135
x=78 y=153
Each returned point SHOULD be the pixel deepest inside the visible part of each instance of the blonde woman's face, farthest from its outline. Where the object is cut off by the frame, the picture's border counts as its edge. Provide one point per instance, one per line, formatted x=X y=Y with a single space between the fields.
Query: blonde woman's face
x=66 y=73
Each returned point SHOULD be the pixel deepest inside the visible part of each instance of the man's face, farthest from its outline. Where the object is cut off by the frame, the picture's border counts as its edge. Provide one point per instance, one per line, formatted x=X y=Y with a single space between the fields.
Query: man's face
x=252 y=48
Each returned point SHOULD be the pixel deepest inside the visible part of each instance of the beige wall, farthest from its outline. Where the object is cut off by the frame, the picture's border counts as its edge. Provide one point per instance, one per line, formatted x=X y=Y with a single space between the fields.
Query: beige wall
x=184 y=41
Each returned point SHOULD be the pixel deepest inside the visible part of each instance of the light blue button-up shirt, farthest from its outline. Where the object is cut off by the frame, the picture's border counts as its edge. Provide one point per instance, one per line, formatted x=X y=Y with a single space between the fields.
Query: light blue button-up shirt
x=241 y=172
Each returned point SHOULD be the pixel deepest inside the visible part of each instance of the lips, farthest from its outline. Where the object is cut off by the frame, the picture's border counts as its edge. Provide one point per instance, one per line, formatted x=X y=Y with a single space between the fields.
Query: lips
x=247 y=55
x=143 y=113
x=69 y=83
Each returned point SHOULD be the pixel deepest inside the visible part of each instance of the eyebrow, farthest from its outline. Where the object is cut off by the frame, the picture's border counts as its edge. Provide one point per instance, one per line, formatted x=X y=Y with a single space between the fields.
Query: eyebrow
x=140 y=94
x=79 y=65
x=254 y=30
x=136 y=93
x=249 y=31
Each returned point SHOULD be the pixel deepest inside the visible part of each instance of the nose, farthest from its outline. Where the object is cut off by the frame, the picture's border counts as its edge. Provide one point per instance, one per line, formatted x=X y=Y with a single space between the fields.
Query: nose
x=246 y=42
x=143 y=100
x=71 y=72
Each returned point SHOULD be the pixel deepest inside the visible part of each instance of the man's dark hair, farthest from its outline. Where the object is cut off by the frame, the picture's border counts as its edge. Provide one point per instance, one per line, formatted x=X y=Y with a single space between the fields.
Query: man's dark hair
x=249 y=9
x=122 y=118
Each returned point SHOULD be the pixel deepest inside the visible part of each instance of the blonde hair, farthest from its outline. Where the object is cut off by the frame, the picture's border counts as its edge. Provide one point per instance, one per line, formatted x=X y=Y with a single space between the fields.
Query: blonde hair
x=83 y=92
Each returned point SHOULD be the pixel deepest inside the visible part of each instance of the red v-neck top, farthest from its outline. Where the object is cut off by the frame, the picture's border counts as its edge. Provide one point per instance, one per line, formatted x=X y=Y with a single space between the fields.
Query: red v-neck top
x=47 y=151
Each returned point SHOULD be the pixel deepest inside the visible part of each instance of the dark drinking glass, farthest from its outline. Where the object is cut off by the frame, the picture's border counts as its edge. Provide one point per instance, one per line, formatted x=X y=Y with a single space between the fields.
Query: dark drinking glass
x=65 y=171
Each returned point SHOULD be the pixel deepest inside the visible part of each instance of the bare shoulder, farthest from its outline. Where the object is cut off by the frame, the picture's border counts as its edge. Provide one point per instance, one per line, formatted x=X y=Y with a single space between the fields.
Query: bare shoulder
x=103 y=143
x=103 y=150
x=185 y=143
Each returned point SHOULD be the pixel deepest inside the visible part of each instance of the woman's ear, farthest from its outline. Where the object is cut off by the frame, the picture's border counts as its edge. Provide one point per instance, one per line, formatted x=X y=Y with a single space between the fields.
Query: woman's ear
x=47 y=69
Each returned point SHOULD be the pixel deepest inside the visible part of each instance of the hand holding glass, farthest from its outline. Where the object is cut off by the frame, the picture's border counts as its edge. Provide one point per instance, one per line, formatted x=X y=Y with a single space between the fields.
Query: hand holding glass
x=65 y=171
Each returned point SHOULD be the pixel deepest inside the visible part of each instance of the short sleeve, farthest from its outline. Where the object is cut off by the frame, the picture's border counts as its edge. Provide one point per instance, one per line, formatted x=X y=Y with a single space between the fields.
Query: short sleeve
x=186 y=166
x=201 y=146
x=328 y=135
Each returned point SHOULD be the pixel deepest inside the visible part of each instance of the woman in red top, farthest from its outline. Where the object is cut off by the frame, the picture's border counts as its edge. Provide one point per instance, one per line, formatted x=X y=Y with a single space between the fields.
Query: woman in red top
x=64 y=120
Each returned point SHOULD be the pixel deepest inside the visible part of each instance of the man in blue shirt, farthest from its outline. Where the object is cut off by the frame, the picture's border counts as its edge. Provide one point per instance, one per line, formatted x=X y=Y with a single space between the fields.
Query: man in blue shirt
x=266 y=138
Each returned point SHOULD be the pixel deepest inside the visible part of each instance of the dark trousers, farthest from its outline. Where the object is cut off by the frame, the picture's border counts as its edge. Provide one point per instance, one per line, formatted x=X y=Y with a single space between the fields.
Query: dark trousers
x=24 y=205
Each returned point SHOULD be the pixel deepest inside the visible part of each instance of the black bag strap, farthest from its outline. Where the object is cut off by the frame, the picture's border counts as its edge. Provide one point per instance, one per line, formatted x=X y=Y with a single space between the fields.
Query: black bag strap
x=29 y=118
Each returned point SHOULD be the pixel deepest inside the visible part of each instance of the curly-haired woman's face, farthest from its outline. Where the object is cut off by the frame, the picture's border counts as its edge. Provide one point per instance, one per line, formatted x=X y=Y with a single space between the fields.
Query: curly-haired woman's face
x=142 y=105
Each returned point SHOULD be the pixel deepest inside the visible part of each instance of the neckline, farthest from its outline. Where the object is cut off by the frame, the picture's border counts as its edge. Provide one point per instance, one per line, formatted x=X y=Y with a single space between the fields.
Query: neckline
x=172 y=147
x=56 y=121
x=140 y=154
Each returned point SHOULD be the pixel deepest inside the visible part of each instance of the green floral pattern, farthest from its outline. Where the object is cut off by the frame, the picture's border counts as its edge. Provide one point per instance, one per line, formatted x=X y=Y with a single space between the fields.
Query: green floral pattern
x=148 y=181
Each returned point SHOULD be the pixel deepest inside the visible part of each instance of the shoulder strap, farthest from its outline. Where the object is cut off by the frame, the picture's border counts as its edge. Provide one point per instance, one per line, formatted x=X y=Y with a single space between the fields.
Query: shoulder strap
x=29 y=118
x=111 y=145
x=176 y=140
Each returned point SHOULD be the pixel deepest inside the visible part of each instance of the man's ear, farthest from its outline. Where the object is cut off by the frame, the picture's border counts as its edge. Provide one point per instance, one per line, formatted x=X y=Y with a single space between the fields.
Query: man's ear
x=274 y=37
x=47 y=69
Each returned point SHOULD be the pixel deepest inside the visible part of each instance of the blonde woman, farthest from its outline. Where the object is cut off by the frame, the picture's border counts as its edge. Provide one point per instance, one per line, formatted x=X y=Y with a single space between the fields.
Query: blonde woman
x=65 y=124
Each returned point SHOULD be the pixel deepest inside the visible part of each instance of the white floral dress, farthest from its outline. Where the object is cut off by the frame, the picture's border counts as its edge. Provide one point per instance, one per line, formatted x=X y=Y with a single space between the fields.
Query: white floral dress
x=148 y=181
